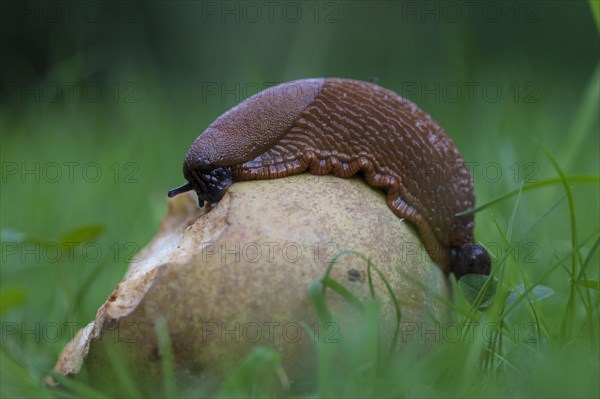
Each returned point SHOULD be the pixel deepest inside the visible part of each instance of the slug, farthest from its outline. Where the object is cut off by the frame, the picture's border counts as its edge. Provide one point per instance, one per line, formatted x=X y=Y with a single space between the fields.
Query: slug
x=344 y=127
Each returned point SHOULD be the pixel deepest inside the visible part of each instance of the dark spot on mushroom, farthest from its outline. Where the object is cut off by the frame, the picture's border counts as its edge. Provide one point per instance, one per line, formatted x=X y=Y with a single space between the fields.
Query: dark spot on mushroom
x=355 y=275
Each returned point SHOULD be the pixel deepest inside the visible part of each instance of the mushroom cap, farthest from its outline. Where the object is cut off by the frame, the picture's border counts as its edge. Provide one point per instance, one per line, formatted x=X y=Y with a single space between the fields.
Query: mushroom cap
x=228 y=279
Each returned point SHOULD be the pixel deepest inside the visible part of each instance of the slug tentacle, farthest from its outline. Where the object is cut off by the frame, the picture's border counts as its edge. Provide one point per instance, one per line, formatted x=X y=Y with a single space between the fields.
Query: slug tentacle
x=345 y=127
x=180 y=190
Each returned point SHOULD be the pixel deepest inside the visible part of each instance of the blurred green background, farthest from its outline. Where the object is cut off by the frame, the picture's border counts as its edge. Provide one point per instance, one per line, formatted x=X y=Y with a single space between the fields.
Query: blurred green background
x=101 y=100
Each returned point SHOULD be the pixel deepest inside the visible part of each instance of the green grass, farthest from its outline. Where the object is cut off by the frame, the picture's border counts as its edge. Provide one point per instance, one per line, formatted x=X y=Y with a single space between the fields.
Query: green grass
x=539 y=219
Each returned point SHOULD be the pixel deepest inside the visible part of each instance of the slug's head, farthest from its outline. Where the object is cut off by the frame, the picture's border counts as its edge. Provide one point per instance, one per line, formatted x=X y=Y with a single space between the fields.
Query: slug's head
x=470 y=259
x=208 y=181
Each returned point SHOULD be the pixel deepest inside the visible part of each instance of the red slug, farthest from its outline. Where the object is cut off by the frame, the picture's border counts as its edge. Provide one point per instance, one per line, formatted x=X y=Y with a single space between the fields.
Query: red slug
x=343 y=127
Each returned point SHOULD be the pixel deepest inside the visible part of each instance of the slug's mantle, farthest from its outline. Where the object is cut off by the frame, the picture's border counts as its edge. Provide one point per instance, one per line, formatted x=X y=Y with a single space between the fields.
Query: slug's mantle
x=249 y=262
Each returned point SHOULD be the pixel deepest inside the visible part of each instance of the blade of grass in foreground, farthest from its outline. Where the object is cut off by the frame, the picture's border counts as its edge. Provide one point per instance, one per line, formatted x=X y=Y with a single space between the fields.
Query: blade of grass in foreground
x=318 y=296
x=333 y=261
x=124 y=378
x=479 y=299
x=318 y=300
x=595 y=6
x=243 y=380
x=531 y=186
x=587 y=116
x=344 y=293
x=588 y=259
x=544 y=275
x=161 y=329
x=318 y=288
x=513 y=215
x=570 y=309
x=18 y=374
x=78 y=388
x=395 y=301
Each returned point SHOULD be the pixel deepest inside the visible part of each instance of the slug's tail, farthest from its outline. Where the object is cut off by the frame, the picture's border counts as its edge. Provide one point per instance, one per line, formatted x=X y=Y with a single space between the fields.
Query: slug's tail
x=180 y=190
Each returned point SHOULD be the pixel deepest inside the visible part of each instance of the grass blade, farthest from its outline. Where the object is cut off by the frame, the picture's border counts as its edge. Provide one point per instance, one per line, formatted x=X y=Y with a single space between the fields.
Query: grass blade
x=344 y=293
x=570 y=309
x=531 y=186
x=161 y=329
x=242 y=381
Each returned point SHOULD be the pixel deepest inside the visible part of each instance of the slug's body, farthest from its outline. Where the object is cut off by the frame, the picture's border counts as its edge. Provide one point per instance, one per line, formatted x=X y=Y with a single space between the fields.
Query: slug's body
x=344 y=127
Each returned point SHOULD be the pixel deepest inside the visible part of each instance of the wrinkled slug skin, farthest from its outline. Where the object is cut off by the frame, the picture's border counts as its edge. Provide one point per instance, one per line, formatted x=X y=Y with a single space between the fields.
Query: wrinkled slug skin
x=342 y=127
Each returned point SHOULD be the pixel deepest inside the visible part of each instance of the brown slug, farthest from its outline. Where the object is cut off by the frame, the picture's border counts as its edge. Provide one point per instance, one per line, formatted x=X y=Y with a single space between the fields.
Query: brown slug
x=344 y=127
